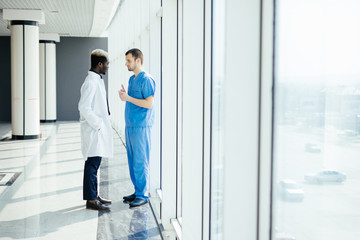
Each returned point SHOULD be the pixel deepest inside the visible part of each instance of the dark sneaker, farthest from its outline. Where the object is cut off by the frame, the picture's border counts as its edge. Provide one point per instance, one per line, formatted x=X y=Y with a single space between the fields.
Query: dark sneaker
x=138 y=202
x=129 y=199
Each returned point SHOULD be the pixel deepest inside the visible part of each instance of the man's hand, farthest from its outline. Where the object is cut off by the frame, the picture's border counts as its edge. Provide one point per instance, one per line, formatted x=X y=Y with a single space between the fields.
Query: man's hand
x=122 y=94
x=144 y=103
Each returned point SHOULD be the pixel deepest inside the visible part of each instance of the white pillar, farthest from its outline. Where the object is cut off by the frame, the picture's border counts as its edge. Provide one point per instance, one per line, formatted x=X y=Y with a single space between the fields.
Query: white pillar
x=25 y=79
x=47 y=81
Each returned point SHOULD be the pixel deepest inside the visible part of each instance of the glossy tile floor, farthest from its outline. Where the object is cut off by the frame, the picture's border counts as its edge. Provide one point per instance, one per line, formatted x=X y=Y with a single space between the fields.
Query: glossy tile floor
x=45 y=201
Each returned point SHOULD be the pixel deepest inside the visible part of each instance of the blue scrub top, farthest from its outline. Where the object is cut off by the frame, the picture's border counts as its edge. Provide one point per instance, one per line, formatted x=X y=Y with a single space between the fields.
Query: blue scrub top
x=142 y=87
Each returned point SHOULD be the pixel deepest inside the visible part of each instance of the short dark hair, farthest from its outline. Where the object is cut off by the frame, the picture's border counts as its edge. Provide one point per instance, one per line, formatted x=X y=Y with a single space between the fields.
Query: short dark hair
x=98 y=56
x=136 y=54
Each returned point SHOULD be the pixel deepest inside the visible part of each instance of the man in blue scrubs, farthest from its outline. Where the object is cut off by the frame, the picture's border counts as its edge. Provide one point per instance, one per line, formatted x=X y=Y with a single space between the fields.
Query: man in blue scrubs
x=139 y=118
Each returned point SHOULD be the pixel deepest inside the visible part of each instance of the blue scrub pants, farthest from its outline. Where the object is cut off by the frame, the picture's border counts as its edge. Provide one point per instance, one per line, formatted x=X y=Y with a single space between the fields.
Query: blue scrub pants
x=138 y=140
x=90 y=185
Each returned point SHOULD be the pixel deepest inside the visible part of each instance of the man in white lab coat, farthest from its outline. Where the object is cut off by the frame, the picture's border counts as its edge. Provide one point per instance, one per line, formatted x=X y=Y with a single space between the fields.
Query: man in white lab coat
x=96 y=131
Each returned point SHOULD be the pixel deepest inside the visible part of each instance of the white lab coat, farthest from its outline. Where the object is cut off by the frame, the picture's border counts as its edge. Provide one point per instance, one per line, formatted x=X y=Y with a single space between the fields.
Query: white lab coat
x=96 y=131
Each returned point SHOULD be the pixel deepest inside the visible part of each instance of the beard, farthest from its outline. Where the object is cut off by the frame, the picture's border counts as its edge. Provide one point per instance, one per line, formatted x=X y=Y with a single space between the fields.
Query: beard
x=103 y=71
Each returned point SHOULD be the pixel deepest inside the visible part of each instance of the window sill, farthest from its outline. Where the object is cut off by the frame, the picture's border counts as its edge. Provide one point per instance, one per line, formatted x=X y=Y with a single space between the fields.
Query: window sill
x=177 y=227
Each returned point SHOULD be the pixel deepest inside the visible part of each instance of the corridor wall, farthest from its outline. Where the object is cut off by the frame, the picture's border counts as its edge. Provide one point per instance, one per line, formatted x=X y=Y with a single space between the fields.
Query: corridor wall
x=72 y=64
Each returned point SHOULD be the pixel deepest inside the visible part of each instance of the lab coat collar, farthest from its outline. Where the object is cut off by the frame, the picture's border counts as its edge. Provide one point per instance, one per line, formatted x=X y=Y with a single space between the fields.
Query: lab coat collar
x=93 y=72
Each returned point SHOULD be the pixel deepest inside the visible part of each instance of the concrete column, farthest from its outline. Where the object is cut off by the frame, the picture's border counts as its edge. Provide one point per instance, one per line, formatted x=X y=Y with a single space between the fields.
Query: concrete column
x=47 y=81
x=25 y=105
x=25 y=79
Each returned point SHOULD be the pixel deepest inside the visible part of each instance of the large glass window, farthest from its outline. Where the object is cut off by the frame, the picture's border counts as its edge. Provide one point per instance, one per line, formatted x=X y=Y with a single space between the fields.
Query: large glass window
x=316 y=181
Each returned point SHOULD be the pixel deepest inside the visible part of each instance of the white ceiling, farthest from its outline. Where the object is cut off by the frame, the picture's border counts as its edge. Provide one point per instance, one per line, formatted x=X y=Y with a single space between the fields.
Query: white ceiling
x=65 y=17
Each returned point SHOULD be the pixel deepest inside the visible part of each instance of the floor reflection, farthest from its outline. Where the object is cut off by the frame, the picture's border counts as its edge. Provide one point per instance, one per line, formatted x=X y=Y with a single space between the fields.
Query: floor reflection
x=138 y=228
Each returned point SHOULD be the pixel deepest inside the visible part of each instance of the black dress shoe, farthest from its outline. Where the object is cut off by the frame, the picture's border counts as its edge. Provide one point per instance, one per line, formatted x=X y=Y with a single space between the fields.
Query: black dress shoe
x=129 y=199
x=97 y=206
x=104 y=201
x=138 y=202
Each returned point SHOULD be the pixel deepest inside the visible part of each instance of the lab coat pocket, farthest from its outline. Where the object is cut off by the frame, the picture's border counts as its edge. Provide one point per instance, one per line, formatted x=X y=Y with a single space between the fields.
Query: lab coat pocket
x=88 y=137
x=103 y=131
x=101 y=126
x=105 y=139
